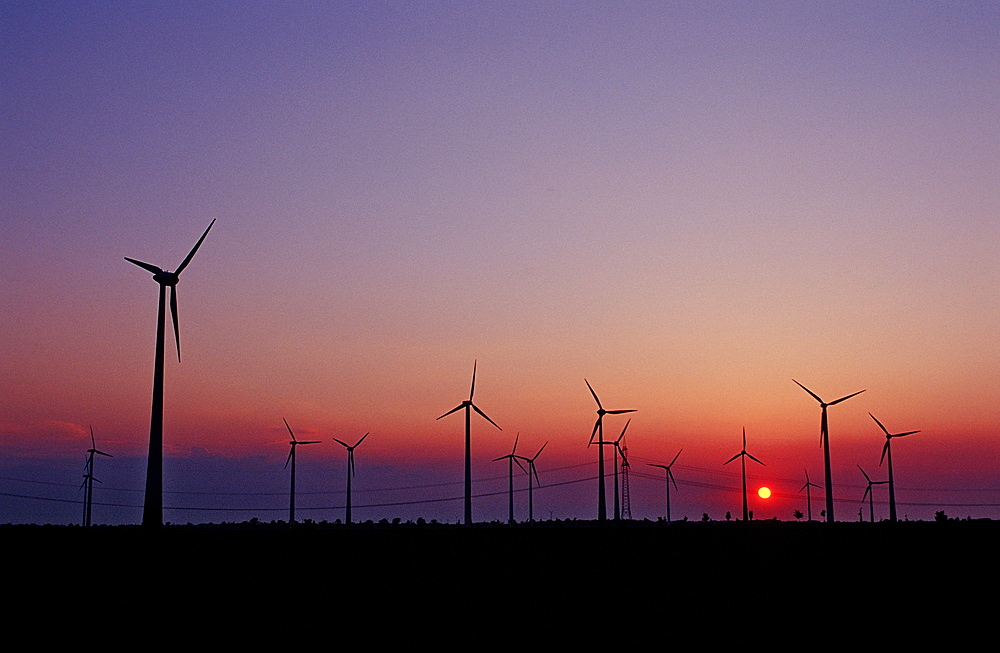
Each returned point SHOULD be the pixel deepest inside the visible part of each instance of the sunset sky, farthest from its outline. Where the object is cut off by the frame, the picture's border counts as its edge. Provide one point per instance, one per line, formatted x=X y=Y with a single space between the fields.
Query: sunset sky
x=688 y=204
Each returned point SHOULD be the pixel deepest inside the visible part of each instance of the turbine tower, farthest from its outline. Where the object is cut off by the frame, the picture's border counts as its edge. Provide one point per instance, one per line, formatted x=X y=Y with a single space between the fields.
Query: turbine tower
x=88 y=479
x=670 y=479
x=532 y=470
x=743 y=455
x=602 y=503
x=152 y=507
x=809 y=502
x=512 y=458
x=350 y=471
x=870 y=495
x=293 y=444
x=469 y=406
x=887 y=451
x=824 y=438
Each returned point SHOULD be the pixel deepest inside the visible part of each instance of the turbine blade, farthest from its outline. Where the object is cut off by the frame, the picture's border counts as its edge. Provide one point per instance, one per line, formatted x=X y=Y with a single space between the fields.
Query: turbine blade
x=866 y=475
x=516 y=438
x=594 y=393
x=755 y=460
x=190 y=256
x=539 y=452
x=291 y=452
x=535 y=470
x=521 y=466
x=144 y=266
x=879 y=424
x=173 y=314
x=458 y=407
x=670 y=476
x=343 y=443
x=623 y=432
x=473 y=390
x=597 y=425
x=289 y=428
x=675 y=459
x=900 y=435
x=361 y=440
x=853 y=394
x=350 y=457
x=885 y=450
x=867 y=490
x=814 y=395
x=619 y=412
x=92 y=442
x=104 y=454
x=476 y=408
x=731 y=459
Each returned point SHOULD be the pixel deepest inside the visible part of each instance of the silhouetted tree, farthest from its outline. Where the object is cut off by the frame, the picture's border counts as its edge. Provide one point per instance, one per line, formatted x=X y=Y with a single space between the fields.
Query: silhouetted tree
x=797 y=514
x=729 y=515
x=704 y=516
x=940 y=516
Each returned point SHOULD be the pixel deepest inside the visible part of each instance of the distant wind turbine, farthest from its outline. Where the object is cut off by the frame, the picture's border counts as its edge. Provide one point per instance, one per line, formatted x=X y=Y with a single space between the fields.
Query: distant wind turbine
x=887 y=452
x=617 y=448
x=152 y=508
x=870 y=495
x=350 y=471
x=824 y=438
x=743 y=455
x=532 y=470
x=809 y=502
x=469 y=406
x=670 y=479
x=512 y=458
x=88 y=479
x=602 y=503
x=293 y=444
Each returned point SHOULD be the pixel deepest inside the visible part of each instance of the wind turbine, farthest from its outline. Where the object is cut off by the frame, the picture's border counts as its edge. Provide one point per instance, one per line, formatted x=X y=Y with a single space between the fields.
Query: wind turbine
x=152 y=507
x=670 y=479
x=743 y=455
x=870 y=495
x=532 y=470
x=469 y=406
x=824 y=438
x=291 y=459
x=512 y=458
x=809 y=502
x=88 y=478
x=602 y=504
x=618 y=449
x=887 y=451
x=350 y=470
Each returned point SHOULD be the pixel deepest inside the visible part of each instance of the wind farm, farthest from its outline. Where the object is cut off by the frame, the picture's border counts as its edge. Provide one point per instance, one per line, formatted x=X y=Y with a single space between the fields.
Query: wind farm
x=693 y=204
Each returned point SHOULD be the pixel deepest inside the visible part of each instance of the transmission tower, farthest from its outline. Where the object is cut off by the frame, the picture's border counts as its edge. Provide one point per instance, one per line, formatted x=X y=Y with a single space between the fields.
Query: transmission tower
x=626 y=508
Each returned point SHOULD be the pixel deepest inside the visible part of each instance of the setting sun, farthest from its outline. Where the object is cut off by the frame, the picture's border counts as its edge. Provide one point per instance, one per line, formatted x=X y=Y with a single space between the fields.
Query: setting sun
x=764 y=492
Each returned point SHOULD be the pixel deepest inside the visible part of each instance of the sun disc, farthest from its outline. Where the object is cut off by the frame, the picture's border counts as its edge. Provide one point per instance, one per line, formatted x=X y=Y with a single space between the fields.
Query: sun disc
x=764 y=492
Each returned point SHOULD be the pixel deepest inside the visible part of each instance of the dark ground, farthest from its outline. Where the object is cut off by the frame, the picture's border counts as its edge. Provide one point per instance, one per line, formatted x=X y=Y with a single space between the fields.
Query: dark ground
x=571 y=581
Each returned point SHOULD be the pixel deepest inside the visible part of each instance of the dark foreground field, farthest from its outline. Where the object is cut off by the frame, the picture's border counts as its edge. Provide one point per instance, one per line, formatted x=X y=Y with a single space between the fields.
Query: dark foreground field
x=576 y=579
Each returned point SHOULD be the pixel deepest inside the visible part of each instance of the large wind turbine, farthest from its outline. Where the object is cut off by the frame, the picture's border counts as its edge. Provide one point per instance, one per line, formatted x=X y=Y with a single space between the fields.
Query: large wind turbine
x=88 y=479
x=743 y=455
x=469 y=406
x=824 y=438
x=532 y=470
x=887 y=451
x=291 y=459
x=152 y=508
x=618 y=449
x=350 y=471
x=670 y=479
x=809 y=502
x=602 y=503
x=870 y=495
x=512 y=458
